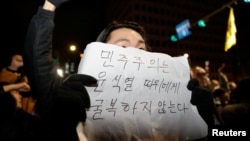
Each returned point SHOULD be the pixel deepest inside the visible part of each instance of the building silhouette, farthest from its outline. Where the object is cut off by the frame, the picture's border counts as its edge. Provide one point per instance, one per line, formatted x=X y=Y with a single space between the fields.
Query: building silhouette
x=81 y=23
x=159 y=17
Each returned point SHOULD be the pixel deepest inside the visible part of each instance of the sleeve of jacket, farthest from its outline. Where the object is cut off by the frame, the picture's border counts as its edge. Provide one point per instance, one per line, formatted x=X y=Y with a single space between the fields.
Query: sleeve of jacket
x=38 y=60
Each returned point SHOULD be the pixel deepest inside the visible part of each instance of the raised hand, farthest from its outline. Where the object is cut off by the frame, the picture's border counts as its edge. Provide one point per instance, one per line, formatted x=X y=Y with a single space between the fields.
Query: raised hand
x=57 y=3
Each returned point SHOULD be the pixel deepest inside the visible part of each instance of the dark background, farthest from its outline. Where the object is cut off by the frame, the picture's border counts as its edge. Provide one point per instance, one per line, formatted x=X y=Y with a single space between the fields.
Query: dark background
x=79 y=22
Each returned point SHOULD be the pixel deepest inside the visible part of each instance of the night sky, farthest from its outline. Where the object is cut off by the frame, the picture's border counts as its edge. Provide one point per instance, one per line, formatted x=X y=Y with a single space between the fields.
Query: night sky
x=76 y=22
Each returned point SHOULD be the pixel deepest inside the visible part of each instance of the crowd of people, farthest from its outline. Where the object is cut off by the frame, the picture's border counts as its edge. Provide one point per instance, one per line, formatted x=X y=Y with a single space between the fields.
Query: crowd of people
x=221 y=102
x=40 y=105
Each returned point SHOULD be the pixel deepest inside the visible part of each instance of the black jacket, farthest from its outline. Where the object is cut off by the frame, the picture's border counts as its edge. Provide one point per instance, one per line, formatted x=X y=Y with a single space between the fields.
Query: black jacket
x=42 y=74
x=15 y=124
x=38 y=60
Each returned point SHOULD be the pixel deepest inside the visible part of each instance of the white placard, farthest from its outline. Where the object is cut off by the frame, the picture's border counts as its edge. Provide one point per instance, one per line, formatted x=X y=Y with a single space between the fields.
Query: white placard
x=140 y=94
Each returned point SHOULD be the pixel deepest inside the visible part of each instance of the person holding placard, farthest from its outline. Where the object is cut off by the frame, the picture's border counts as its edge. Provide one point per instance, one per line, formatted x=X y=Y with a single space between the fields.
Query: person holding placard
x=62 y=104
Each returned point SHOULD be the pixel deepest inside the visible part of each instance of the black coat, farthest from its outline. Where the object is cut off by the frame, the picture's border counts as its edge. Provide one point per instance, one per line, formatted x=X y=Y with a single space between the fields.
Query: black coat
x=42 y=74
x=15 y=124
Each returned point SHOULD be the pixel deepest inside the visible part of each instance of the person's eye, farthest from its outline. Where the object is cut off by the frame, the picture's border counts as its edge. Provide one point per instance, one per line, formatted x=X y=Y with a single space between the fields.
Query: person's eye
x=142 y=48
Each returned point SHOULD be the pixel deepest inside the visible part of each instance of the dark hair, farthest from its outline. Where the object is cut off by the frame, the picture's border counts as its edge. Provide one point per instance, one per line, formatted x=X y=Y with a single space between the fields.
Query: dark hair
x=104 y=35
x=7 y=104
x=12 y=52
x=219 y=92
x=242 y=90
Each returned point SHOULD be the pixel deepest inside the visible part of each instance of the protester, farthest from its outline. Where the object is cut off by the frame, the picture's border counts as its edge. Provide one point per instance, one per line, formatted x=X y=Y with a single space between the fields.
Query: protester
x=233 y=86
x=13 y=73
x=237 y=114
x=61 y=105
x=201 y=75
x=223 y=79
x=22 y=87
x=202 y=97
x=15 y=123
x=221 y=98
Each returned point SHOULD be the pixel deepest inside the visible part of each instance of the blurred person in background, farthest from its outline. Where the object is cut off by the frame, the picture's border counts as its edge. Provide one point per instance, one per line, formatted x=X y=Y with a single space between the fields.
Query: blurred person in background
x=15 y=123
x=13 y=73
x=202 y=97
x=222 y=77
x=236 y=114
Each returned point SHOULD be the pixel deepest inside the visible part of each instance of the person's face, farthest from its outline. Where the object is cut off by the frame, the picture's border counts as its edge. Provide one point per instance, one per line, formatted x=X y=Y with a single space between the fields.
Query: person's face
x=17 y=61
x=126 y=37
x=201 y=75
x=18 y=98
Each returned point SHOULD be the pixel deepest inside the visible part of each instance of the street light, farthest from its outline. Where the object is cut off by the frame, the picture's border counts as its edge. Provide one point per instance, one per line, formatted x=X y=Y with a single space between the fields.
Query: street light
x=60 y=72
x=72 y=48
x=72 y=60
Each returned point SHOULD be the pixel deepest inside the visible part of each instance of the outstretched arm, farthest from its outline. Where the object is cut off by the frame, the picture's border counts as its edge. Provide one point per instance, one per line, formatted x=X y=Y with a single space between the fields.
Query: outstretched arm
x=61 y=104
x=38 y=60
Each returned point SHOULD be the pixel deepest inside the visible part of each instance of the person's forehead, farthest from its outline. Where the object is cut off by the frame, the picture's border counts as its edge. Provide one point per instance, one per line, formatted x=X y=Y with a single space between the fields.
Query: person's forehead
x=125 y=32
x=18 y=57
x=200 y=69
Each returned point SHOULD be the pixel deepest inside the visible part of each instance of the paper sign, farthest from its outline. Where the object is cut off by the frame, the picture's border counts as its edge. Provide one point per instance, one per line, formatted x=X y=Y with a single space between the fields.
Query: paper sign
x=140 y=95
